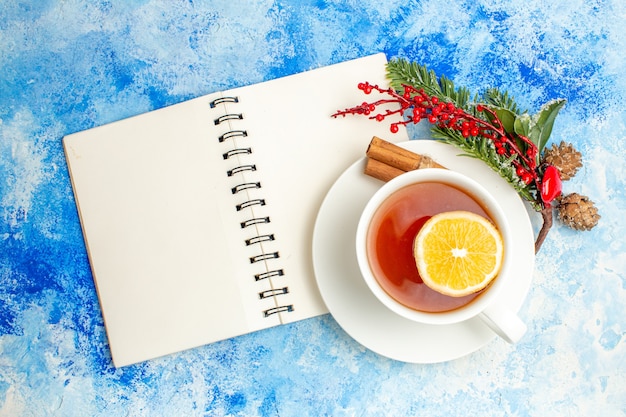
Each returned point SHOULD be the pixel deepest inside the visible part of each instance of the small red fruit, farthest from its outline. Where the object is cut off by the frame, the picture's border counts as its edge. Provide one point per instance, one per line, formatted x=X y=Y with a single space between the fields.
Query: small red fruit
x=551 y=185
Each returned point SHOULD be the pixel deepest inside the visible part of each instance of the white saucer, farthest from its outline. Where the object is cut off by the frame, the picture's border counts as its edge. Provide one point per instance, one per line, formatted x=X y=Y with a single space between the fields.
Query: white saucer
x=356 y=309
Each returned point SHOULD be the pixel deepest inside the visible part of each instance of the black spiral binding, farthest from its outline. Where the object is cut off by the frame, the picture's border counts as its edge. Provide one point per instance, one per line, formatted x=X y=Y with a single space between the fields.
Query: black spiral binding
x=273 y=293
x=269 y=274
x=232 y=134
x=280 y=309
x=227 y=117
x=245 y=186
x=221 y=100
x=253 y=221
x=239 y=169
x=261 y=258
x=249 y=203
x=259 y=239
x=264 y=257
x=236 y=151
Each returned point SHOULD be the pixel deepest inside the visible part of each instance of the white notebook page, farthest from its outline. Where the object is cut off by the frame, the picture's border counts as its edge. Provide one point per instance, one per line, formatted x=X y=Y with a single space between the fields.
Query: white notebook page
x=165 y=241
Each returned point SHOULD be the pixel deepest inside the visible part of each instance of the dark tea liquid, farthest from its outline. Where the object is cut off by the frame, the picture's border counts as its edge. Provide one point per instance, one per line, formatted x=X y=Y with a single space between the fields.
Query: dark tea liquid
x=390 y=242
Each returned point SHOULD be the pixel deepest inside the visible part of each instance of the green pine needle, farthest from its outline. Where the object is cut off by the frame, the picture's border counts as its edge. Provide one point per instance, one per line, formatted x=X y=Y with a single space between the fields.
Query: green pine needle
x=402 y=72
x=497 y=98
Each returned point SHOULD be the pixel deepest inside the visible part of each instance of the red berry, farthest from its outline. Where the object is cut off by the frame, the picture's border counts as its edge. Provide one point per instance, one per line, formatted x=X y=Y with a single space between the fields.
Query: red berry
x=434 y=100
x=394 y=128
x=380 y=117
x=550 y=184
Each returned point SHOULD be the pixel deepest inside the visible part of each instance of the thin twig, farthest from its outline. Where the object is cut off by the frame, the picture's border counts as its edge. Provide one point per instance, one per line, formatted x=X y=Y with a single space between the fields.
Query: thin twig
x=546 y=214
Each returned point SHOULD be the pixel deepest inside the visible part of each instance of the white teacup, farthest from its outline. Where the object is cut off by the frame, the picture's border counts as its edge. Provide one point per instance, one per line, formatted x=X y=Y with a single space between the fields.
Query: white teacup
x=488 y=305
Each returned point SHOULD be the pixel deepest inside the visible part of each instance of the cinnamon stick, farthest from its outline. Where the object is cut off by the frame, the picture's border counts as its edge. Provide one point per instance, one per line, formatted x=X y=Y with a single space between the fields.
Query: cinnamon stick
x=380 y=170
x=386 y=160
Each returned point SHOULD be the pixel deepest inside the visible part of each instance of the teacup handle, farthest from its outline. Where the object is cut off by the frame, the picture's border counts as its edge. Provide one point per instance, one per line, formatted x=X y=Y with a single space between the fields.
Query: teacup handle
x=503 y=322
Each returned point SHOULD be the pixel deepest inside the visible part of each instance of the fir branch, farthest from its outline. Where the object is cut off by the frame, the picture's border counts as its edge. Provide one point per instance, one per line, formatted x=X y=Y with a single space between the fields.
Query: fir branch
x=484 y=150
x=490 y=128
x=402 y=72
x=497 y=98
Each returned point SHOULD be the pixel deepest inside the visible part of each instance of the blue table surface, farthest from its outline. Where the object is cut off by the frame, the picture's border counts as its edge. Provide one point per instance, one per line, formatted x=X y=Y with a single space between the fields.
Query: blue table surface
x=68 y=65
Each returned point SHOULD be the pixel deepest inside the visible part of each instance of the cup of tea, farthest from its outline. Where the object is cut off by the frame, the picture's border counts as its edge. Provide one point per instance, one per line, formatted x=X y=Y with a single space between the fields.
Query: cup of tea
x=385 y=237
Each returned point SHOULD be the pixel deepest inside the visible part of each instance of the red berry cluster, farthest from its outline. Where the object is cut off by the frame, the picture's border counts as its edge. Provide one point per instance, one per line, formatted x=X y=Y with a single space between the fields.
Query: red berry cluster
x=418 y=105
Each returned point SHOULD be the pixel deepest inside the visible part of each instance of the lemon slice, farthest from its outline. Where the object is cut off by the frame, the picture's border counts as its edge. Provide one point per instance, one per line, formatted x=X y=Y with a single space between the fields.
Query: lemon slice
x=458 y=253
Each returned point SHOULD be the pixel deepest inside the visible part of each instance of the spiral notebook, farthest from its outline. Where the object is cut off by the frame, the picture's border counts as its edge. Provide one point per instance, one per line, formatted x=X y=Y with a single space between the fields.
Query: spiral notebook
x=198 y=217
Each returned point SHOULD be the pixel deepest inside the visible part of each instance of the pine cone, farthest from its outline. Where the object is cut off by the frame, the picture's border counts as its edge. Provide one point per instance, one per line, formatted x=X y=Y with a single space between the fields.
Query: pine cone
x=577 y=211
x=565 y=158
